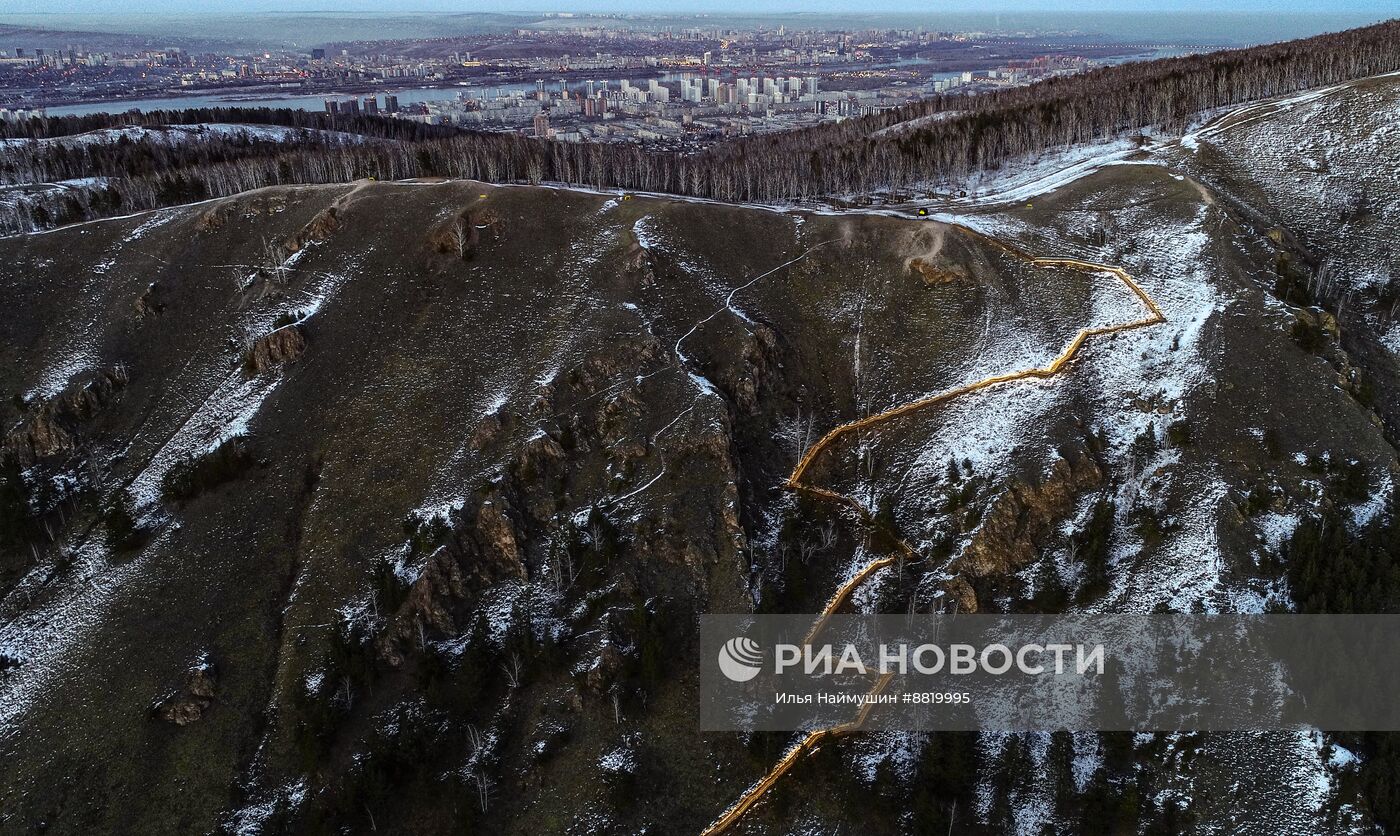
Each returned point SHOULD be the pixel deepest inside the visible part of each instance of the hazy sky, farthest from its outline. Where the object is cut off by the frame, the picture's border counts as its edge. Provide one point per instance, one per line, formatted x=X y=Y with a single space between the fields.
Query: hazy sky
x=1379 y=7
x=297 y=24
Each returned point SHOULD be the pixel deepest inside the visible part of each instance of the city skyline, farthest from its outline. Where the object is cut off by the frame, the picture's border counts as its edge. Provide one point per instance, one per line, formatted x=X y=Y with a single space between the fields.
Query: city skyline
x=702 y=83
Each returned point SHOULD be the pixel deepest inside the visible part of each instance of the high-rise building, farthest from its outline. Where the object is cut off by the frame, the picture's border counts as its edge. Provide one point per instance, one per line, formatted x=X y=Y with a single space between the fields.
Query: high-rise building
x=332 y=107
x=318 y=54
x=391 y=104
x=371 y=105
x=542 y=124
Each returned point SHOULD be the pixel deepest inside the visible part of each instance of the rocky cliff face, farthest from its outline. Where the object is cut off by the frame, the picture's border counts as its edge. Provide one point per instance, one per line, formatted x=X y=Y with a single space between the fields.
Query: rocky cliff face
x=282 y=345
x=1023 y=520
x=55 y=427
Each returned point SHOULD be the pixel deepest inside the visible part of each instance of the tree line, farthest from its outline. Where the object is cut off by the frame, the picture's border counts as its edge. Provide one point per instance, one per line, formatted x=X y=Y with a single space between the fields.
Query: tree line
x=143 y=154
x=362 y=124
x=849 y=158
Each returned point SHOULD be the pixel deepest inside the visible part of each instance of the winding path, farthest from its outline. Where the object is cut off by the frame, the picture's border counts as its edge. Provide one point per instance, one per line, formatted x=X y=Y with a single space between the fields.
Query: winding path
x=795 y=482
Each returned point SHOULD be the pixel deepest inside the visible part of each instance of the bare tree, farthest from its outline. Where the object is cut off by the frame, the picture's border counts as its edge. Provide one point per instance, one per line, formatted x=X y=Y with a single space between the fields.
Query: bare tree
x=346 y=693
x=459 y=236
x=867 y=455
x=562 y=567
x=514 y=669
x=596 y=532
x=795 y=433
x=274 y=262
x=483 y=788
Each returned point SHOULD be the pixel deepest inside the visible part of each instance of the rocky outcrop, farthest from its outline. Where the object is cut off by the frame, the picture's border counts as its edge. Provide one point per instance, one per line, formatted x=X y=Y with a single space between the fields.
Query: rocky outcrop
x=637 y=265
x=934 y=273
x=498 y=545
x=432 y=600
x=320 y=228
x=193 y=698
x=273 y=349
x=585 y=424
x=597 y=675
x=462 y=235
x=264 y=203
x=490 y=429
x=1021 y=521
x=538 y=475
x=1320 y=320
x=56 y=426
x=746 y=381
x=964 y=597
x=602 y=369
x=482 y=548
x=216 y=217
x=614 y=419
x=673 y=539
x=150 y=304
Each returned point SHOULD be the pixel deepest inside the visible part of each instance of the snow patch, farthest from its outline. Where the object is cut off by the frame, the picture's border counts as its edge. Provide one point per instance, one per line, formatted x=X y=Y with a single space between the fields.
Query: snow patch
x=1276 y=528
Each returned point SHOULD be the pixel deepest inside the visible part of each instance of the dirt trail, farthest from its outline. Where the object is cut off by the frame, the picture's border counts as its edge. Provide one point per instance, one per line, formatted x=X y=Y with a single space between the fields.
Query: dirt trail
x=813 y=740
